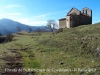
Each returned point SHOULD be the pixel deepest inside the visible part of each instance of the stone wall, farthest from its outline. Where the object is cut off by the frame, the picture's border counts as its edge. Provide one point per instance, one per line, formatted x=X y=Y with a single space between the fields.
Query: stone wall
x=86 y=11
x=75 y=20
x=68 y=21
x=84 y=20
x=86 y=16
x=62 y=23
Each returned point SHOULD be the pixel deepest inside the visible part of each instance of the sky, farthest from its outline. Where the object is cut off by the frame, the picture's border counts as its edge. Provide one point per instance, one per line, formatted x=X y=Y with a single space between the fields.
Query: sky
x=38 y=12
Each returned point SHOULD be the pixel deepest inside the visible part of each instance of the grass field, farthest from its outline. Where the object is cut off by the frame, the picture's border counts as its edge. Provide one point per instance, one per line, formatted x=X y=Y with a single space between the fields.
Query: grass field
x=70 y=52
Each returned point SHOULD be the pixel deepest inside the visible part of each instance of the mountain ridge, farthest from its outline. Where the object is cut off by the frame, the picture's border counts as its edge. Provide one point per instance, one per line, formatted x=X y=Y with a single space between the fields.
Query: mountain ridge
x=8 y=26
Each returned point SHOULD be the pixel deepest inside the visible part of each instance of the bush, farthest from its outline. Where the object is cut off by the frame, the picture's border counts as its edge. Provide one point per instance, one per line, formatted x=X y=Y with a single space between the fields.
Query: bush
x=9 y=37
x=2 y=39
x=59 y=30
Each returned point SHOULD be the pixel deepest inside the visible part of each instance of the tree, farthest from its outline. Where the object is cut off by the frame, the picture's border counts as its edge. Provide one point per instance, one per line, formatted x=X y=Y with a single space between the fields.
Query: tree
x=39 y=30
x=30 y=29
x=18 y=29
x=52 y=24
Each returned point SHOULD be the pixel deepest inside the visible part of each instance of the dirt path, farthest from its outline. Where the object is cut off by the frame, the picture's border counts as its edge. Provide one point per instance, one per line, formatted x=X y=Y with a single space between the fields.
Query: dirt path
x=13 y=65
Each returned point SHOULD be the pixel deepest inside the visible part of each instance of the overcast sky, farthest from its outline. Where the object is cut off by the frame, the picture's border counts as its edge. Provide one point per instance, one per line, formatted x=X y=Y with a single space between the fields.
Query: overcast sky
x=37 y=12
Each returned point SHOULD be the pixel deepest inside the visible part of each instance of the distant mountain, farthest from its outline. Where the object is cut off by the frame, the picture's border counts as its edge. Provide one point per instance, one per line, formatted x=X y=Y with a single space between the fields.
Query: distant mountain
x=8 y=26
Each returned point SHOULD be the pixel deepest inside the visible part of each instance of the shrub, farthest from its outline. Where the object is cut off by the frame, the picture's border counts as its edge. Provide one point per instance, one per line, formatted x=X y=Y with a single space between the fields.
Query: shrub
x=9 y=37
x=2 y=39
x=59 y=30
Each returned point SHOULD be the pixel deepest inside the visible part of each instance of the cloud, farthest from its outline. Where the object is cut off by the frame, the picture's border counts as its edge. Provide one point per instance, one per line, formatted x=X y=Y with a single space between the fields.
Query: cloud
x=10 y=11
x=10 y=14
x=36 y=20
x=56 y=13
x=40 y=16
x=2 y=0
x=65 y=11
x=39 y=20
x=32 y=22
x=12 y=6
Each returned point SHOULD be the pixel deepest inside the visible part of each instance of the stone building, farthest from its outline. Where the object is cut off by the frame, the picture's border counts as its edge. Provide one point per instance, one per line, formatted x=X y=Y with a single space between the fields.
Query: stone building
x=75 y=18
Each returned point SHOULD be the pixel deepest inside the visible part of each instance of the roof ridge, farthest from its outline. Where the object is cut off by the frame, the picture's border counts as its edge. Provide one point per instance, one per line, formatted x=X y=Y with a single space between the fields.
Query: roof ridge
x=87 y=8
x=71 y=9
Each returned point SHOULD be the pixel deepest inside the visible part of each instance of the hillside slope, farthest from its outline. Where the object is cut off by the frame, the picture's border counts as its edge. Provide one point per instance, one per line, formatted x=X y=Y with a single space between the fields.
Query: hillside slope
x=75 y=51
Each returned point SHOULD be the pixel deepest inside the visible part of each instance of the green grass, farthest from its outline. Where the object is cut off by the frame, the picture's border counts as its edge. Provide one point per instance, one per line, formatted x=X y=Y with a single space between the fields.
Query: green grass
x=74 y=47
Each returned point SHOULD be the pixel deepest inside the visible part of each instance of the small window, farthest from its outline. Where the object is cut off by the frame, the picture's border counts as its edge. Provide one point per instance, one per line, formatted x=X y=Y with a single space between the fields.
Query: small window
x=70 y=19
x=86 y=12
x=83 y=11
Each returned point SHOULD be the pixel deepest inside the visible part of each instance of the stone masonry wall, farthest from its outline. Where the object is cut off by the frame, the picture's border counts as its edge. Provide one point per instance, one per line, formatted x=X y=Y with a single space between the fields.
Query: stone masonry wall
x=62 y=23
x=84 y=20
